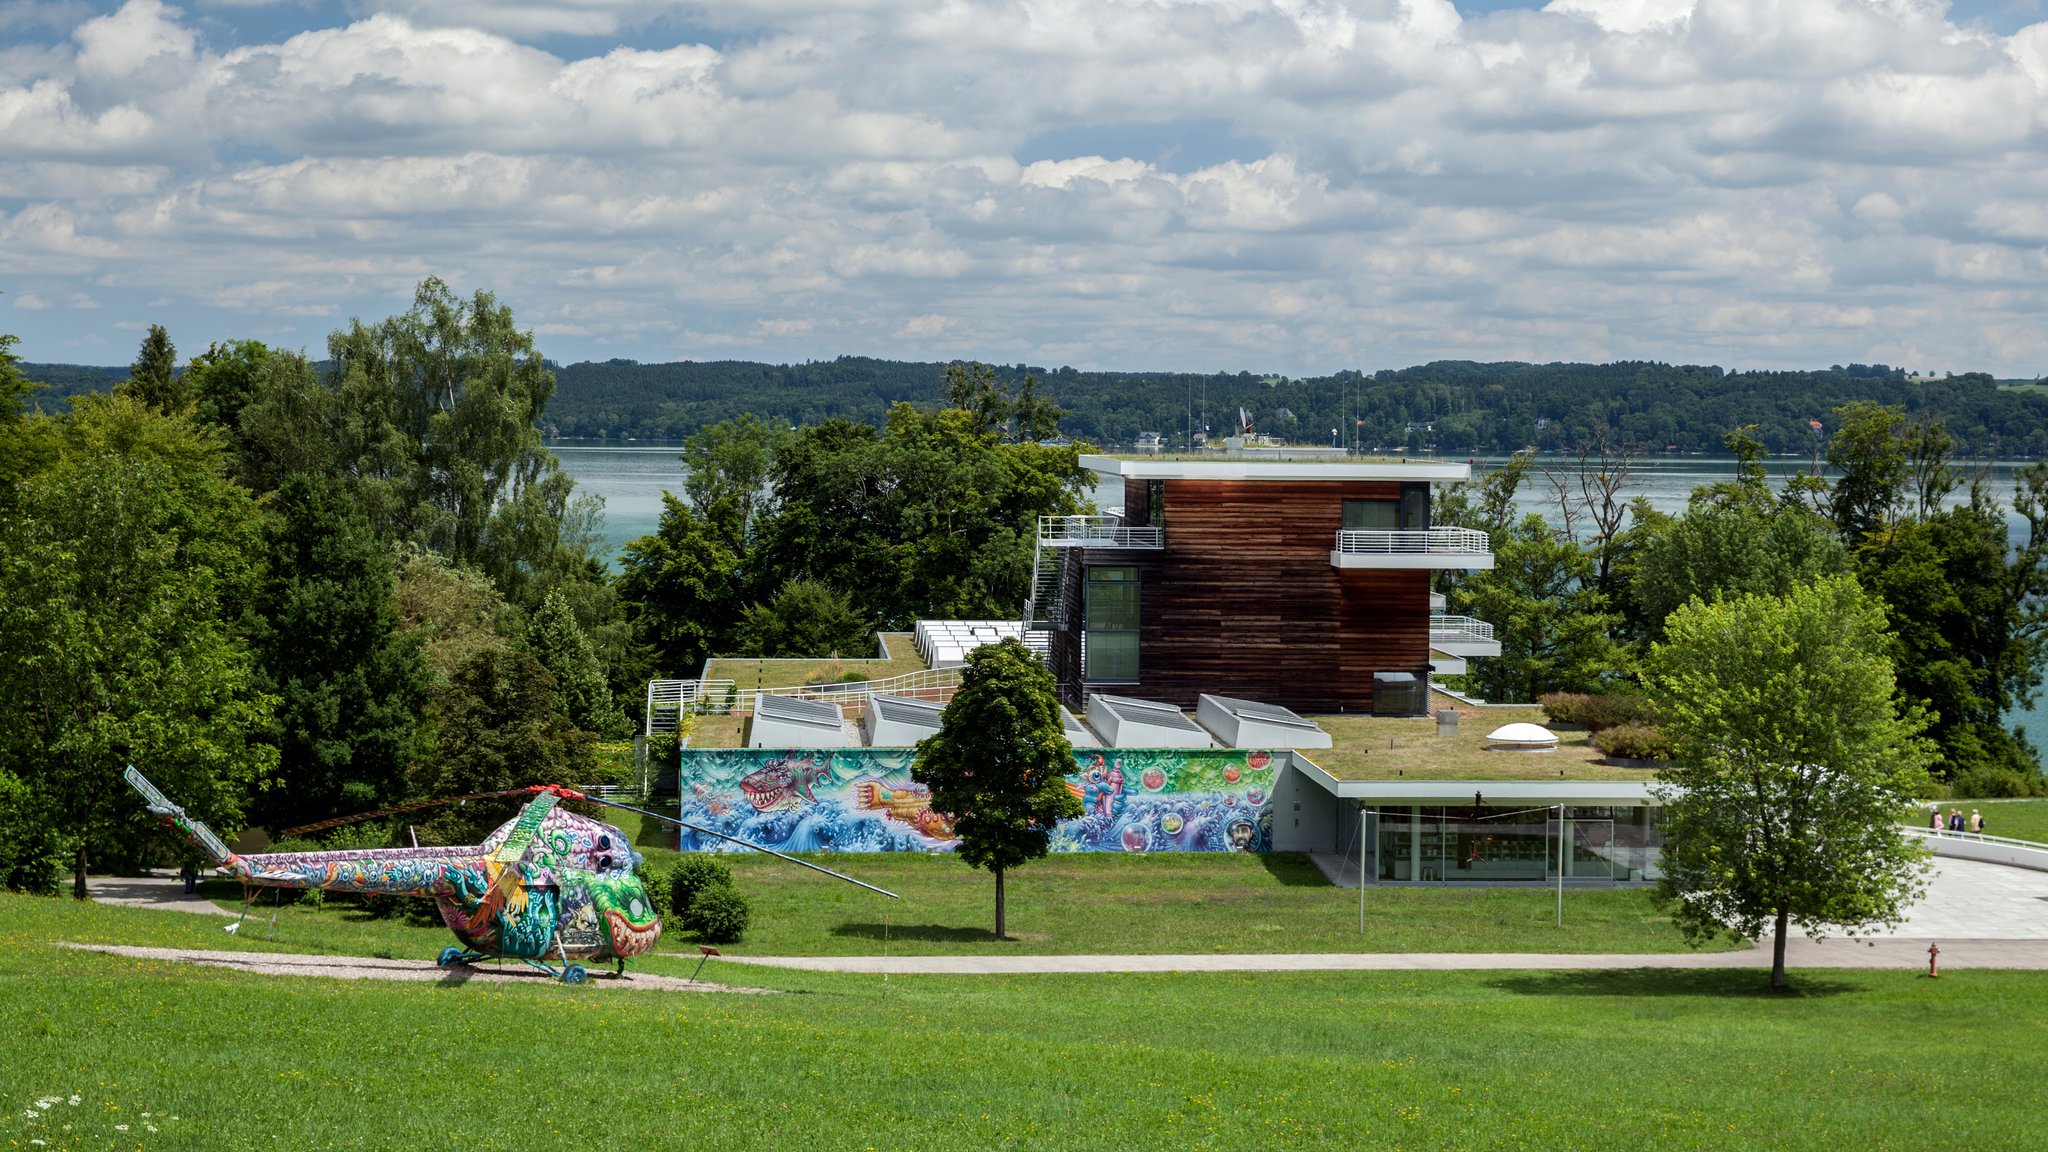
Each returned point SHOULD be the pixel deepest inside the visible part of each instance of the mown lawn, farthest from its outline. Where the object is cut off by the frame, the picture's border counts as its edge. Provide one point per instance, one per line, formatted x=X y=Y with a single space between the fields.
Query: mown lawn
x=1407 y=747
x=1624 y=1060
x=2019 y=819
x=1068 y=904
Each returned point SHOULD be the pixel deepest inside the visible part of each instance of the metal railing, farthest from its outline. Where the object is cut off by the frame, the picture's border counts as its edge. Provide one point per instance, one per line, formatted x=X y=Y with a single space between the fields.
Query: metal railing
x=1451 y=629
x=1097 y=532
x=934 y=684
x=1946 y=834
x=667 y=700
x=1413 y=541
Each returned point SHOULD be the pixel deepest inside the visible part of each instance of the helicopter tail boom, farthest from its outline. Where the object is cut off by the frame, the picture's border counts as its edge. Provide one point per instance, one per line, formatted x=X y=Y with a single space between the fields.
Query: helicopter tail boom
x=195 y=830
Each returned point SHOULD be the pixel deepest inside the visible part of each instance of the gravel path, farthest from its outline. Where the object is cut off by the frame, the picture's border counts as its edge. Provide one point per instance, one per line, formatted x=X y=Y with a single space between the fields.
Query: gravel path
x=373 y=968
x=1891 y=952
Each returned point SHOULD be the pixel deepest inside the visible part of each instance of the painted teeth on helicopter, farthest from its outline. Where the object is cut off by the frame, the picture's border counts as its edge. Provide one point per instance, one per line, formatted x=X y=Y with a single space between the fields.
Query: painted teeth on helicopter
x=628 y=940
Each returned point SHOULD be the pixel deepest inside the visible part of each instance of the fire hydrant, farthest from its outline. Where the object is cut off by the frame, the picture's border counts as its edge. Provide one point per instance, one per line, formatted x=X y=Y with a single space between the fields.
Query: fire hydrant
x=1933 y=969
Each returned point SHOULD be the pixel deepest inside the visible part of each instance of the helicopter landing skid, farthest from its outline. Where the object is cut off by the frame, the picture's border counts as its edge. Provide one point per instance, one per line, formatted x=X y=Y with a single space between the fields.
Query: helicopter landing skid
x=569 y=974
x=451 y=956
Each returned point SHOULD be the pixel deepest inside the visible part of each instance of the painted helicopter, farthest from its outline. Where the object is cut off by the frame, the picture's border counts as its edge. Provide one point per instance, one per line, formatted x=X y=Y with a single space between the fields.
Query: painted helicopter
x=547 y=885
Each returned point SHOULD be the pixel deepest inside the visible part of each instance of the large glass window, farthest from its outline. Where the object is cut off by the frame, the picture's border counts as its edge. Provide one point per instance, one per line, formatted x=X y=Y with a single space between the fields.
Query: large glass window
x=1384 y=515
x=1110 y=646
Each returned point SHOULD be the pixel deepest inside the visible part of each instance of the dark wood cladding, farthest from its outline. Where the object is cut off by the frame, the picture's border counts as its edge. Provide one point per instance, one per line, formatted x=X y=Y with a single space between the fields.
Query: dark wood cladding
x=1243 y=599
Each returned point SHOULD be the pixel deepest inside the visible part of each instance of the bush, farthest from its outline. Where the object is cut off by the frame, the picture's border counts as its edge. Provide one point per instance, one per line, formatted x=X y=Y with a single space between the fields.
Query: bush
x=1633 y=742
x=1989 y=782
x=1598 y=712
x=691 y=875
x=718 y=914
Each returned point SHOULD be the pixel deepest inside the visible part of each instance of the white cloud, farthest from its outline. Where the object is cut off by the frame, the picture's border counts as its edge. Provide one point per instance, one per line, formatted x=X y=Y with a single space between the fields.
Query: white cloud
x=1739 y=180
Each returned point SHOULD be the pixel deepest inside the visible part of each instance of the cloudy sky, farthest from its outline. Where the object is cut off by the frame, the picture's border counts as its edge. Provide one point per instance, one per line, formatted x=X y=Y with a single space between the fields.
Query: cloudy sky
x=1291 y=185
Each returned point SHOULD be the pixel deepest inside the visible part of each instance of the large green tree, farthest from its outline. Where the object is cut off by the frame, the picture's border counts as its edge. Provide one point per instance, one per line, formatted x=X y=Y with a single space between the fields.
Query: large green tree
x=559 y=643
x=499 y=728
x=153 y=379
x=439 y=412
x=1722 y=548
x=126 y=566
x=805 y=618
x=729 y=464
x=350 y=685
x=1793 y=767
x=998 y=765
x=680 y=586
x=1553 y=623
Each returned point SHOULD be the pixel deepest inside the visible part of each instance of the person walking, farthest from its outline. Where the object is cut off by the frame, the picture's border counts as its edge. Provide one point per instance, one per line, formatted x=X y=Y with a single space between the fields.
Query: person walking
x=1976 y=824
x=1955 y=821
x=1934 y=817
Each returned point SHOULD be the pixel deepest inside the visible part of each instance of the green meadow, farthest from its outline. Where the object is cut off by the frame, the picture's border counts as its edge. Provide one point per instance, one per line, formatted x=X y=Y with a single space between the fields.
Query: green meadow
x=214 y=1059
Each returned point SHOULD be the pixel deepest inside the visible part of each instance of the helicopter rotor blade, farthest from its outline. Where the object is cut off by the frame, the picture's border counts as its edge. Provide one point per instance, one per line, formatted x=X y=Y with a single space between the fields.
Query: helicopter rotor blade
x=339 y=821
x=746 y=843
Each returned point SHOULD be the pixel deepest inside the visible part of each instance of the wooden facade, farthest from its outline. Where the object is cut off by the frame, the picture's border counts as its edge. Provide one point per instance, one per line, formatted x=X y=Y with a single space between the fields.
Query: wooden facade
x=1243 y=601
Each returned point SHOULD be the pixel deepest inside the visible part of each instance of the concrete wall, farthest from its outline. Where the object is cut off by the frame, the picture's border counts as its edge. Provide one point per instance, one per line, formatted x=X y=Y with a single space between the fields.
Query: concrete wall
x=1988 y=851
x=1304 y=812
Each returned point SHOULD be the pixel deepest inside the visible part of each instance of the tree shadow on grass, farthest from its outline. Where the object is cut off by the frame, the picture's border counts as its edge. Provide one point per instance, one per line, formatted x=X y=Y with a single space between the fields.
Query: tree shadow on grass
x=937 y=932
x=1294 y=870
x=1643 y=982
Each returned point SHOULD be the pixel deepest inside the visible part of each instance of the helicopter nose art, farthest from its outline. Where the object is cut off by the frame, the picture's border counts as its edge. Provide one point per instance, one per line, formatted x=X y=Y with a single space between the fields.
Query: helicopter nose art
x=629 y=939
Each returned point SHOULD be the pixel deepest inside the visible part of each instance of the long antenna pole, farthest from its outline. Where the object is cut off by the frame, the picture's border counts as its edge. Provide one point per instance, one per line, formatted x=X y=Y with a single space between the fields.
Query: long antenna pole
x=746 y=843
x=1361 y=869
x=1560 y=865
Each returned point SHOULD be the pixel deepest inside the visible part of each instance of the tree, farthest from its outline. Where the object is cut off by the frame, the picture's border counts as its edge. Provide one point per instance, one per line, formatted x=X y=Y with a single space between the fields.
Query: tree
x=1793 y=766
x=998 y=764
x=498 y=729
x=223 y=380
x=805 y=619
x=153 y=379
x=350 y=684
x=678 y=587
x=731 y=462
x=558 y=642
x=439 y=431
x=288 y=424
x=124 y=568
x=1552 y=622
x=1719 y=549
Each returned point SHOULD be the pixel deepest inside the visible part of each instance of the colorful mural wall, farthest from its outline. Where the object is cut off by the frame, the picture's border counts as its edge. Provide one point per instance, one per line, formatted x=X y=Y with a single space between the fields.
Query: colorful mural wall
x=863 y=800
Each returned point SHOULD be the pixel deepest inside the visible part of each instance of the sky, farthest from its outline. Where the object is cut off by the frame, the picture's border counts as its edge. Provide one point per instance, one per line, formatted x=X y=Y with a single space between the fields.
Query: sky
x=1297 y=186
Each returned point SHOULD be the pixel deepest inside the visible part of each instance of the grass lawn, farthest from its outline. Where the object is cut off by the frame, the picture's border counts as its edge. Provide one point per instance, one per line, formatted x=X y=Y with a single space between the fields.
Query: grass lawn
x=1407 y=747
x=749 y=674
x=214 y=1059
x=2019 y=819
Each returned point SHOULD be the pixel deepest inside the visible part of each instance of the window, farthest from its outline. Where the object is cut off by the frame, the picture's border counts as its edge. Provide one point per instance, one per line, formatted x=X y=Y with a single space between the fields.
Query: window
x=1110 y=644
x=1384 y=515
x=1155 y=503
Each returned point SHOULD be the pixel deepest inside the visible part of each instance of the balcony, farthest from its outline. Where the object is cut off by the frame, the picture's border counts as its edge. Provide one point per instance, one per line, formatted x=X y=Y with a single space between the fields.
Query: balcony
x=1462 y=636
x=1412 y=548
x=1096 y=532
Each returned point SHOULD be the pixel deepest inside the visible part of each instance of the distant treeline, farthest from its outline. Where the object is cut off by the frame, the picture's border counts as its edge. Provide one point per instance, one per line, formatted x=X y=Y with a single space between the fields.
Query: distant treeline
x=1450 y=406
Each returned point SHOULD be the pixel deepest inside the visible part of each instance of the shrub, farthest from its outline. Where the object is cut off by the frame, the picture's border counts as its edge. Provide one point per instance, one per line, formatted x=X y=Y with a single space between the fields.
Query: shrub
x=1633 y=742
x=1995 y=782
x=691 y=875
x=718 y=914
x=1598 y=712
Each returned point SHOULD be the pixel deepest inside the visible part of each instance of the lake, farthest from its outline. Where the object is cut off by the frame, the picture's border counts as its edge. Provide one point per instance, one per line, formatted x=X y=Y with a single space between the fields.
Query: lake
x=632 y=477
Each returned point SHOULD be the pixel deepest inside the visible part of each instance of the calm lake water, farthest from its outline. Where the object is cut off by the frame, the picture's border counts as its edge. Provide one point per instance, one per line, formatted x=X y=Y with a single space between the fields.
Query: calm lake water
x=632 y=477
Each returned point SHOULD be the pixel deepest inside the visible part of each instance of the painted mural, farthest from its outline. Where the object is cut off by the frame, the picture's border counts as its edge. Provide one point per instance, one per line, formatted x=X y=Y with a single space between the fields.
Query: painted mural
x=863 y=800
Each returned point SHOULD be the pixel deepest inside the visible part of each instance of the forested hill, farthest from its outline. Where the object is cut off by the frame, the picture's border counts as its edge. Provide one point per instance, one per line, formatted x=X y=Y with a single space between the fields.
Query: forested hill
x=1456 y=406
x=1451 y=406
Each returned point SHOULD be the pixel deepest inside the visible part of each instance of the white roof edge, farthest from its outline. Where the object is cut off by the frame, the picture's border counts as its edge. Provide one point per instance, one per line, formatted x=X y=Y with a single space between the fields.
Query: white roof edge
x=1233 y=468
x=1498 y=791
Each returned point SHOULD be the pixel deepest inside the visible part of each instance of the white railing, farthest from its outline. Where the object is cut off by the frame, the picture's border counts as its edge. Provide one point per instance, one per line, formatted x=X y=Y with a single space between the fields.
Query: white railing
x=1096 y=531
x=1974 y=837
x=934 y=684
x=667 y=700
x=1413 y=542
x=1451 y=629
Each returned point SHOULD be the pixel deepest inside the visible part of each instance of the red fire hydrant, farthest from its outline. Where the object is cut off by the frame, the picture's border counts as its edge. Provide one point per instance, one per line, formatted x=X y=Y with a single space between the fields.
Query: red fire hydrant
x=1933 y=951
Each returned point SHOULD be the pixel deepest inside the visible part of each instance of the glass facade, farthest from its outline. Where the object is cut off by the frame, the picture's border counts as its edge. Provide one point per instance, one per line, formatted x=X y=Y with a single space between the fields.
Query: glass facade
x=1109 y=648
x=1425 y=844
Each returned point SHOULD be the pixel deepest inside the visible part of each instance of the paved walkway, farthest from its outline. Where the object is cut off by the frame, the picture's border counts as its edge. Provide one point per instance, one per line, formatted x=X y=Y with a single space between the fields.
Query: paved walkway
x=371 y=968
x=1799 y=953
x=156 y=890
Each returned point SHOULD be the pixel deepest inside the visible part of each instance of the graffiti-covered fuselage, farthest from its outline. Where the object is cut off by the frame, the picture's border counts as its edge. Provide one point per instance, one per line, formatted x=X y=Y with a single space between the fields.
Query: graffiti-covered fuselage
x=547 y=884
